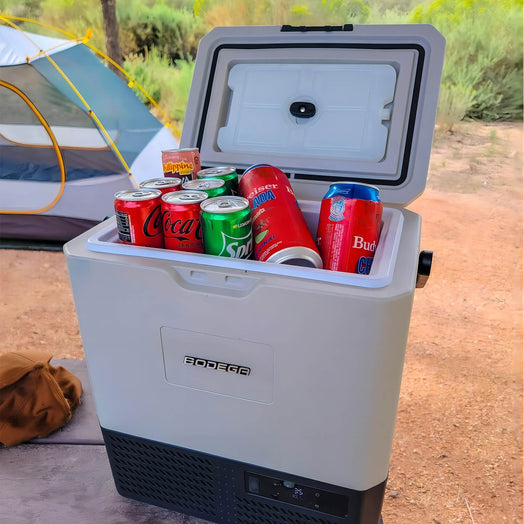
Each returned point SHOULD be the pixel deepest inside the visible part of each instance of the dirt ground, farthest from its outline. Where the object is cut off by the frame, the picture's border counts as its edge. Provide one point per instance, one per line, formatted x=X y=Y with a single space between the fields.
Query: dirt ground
x=457 y=450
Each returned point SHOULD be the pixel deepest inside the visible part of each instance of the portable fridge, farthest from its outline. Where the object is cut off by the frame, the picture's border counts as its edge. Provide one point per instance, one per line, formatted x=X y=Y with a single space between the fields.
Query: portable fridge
x=248 y=392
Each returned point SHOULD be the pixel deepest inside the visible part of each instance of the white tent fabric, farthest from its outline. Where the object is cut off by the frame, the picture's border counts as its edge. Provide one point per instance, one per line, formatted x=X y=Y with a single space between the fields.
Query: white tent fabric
x=16 y=47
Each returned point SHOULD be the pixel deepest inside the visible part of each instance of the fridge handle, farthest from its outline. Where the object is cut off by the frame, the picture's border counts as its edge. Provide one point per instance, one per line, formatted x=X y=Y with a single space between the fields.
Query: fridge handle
x=214 y=282
x=425 y=260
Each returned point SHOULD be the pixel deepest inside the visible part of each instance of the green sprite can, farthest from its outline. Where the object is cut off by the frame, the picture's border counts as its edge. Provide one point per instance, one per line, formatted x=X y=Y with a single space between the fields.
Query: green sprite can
x=212 y=186
x=227 y=174
x=226 y=226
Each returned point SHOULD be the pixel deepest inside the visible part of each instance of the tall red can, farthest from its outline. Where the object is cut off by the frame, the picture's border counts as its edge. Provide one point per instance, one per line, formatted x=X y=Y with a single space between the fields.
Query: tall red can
x=181 y=220
x=138 y=217
x=349 y=227
x=181 y=163
x=280 y=231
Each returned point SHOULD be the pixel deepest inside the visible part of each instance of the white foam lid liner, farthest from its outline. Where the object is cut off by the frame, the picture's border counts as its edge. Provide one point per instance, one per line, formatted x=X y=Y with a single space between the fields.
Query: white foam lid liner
x=349 y=98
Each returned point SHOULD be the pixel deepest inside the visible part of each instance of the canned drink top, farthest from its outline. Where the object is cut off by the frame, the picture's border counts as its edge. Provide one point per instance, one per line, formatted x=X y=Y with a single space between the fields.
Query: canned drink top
x=202 y=185
x=179 y=150
x=297 y=256
x=213 y=172
x=224 y=204
x=354 y=190
x=136 y=195
x=160 y=183
x=184 y=197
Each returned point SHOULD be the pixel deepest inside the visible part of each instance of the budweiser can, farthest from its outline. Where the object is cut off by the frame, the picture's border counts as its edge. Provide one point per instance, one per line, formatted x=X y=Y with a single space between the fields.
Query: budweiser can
x=138 y=217
x=349 y=227
x=280 y=232
x=181 y=220
x=181 y=163
x=164 y=185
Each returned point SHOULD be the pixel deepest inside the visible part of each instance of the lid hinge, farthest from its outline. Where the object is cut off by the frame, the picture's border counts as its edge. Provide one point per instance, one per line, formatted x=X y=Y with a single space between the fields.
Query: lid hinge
x=306 y=28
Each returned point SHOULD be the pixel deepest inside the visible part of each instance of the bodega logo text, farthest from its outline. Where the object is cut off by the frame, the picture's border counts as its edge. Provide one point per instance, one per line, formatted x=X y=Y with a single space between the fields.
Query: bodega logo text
x=217 y=366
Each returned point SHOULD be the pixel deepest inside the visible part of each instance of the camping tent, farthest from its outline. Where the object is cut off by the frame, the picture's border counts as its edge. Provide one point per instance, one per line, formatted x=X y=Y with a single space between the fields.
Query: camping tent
x=72 y=133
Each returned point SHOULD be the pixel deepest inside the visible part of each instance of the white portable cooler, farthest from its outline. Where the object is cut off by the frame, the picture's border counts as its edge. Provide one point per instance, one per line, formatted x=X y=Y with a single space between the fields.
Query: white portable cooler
x=305 y=434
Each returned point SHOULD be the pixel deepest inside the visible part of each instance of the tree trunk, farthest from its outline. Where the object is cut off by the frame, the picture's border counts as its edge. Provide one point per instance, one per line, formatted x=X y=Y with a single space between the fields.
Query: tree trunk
x=111 y=30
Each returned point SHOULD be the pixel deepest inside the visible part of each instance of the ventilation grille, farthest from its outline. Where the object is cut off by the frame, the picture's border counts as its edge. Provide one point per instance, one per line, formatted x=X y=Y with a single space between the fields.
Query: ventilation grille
x=161 y=475
x=249 y=512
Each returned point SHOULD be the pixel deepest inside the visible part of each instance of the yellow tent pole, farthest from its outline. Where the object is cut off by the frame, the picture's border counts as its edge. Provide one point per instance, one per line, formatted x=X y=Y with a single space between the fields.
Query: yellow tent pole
x=84 y=40
x=55 y=146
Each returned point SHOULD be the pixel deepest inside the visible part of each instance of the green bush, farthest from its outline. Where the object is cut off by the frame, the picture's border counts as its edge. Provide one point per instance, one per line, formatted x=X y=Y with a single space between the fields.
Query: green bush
x=175 y=32
x=482 y=76
x=278 y=12
x=167 y=83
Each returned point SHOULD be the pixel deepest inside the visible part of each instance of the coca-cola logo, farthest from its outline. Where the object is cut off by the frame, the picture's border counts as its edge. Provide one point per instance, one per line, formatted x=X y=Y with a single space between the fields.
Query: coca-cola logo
x=180 y=229
x=153 y=223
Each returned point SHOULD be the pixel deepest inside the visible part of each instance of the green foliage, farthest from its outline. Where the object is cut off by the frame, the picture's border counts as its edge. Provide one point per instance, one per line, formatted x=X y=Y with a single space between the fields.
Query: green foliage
x=482 y=76
x=167 y=83
x=174 y=32
x=277 y=12
x=24 y=8
x=76 y=17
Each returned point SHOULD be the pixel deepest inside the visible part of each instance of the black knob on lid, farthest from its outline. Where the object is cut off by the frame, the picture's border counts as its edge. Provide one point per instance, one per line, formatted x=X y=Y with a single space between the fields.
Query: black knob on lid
x=302 y=109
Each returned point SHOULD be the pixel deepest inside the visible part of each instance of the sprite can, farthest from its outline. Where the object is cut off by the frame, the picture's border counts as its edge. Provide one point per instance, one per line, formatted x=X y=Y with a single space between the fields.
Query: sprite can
x=226 y=226
x=212 y=186
x=227 y=174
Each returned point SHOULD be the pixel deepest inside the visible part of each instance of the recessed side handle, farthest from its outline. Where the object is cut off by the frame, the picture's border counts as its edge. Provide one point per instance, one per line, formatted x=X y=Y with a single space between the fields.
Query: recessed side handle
x=425 y=260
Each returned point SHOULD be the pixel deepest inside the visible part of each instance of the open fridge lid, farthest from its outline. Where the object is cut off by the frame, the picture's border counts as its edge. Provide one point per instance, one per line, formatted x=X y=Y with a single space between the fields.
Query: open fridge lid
x=324 y=104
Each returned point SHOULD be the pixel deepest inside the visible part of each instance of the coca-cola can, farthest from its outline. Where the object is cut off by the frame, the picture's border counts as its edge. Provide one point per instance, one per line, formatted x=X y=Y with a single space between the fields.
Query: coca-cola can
x=280 y=231
x=138 y=217
x=181 y=163
x=181 y=220
x=349 y=227
x=164 y=185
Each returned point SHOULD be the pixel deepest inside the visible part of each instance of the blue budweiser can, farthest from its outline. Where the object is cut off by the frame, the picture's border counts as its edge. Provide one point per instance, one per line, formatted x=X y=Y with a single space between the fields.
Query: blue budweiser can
x=349 y=227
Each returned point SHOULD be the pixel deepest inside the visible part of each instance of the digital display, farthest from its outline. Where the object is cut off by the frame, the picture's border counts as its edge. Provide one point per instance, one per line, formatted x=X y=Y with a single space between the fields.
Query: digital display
x=302 y=495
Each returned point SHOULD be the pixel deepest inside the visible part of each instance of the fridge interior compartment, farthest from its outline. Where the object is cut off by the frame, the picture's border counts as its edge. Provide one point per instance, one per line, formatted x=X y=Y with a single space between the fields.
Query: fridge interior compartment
x=106 y=240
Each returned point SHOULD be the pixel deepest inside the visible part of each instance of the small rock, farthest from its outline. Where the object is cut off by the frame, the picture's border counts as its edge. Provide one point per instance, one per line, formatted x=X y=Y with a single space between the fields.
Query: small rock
x=394 y=494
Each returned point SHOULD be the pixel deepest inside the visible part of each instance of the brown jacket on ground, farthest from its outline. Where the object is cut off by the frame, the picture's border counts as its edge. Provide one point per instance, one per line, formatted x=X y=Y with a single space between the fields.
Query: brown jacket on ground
x=35 y=397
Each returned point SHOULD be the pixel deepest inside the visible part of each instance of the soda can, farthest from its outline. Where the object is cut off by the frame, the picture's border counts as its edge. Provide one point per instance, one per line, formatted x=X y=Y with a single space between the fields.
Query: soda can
x=181 y=220
x=280 y=232
x=138 y=217
x=226 y=223
x=181 y=163
x=164 y=185
x=349 y=227
x=227 y=174
x=214 y=187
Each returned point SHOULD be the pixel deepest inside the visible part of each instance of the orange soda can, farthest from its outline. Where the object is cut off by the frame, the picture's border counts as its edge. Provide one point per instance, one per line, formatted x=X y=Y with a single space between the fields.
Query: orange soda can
x=181 y=163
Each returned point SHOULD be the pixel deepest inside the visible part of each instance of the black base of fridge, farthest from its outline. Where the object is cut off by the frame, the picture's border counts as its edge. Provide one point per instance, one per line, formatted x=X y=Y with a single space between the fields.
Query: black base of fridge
x=230 y=492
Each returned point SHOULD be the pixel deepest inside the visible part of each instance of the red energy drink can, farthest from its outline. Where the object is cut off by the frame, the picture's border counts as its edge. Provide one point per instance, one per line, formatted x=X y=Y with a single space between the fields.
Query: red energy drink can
x=138 y=217
x=280 y=231
x=349 y=227
x=181 y=163
x=164 y=185
x=181 y=220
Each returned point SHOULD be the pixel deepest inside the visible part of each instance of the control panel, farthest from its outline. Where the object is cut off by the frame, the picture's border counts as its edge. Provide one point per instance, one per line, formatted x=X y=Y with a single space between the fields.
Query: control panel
x=298 y=494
